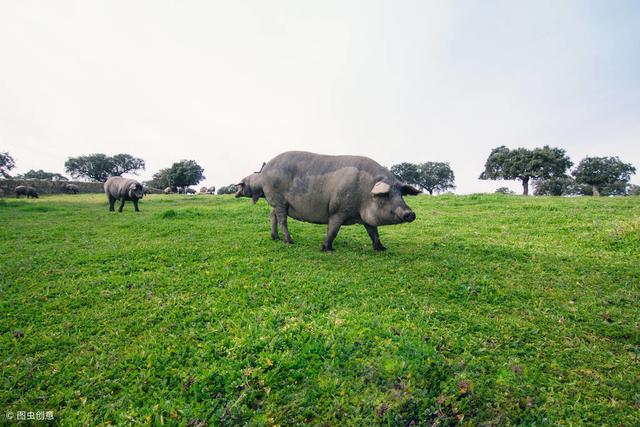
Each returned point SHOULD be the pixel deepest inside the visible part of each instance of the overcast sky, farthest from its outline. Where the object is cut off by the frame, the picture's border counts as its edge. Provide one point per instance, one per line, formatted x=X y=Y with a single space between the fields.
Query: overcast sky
x=231 y=84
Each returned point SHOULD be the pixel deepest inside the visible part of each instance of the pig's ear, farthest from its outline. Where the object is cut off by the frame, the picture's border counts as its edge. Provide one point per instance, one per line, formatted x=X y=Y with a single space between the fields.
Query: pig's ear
x=410 y=190
x=240 y=186
x=380 y=189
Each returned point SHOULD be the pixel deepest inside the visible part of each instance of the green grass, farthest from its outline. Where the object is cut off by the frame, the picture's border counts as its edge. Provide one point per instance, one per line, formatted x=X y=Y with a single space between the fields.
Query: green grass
x=487 y=309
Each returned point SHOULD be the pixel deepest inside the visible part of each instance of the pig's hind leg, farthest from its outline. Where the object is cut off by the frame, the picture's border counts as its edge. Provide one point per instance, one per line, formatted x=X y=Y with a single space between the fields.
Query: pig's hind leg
x=282 y=220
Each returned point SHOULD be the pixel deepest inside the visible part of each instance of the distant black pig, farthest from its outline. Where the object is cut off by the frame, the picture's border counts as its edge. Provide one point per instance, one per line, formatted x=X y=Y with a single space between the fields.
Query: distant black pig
x=25 y=190
x=71 y=188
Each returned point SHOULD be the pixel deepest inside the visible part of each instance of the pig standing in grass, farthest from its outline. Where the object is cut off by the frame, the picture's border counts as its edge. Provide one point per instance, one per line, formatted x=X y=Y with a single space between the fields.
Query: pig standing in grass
x=118 y=188
x=71 y=188
x=332 y=190
x=25 y=190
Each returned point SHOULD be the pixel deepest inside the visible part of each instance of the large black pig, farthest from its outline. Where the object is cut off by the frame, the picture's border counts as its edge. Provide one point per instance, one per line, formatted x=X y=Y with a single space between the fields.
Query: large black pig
x=332 y=190
x=119 y=188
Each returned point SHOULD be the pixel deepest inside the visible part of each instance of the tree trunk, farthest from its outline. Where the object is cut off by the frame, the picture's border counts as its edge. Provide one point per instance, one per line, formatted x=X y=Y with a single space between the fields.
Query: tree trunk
x=525 y=186
x=595 y=190
x=430 y=192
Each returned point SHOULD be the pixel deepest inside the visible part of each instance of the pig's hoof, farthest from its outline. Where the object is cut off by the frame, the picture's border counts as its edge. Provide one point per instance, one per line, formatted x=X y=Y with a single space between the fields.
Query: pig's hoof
x=325 y=248
x=288 y=241
x=273 y=237
x=379 y=248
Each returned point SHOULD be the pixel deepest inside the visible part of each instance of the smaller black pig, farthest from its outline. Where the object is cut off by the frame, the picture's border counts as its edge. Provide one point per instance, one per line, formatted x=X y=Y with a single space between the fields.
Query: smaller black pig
x=71 y=188
x=25 y=190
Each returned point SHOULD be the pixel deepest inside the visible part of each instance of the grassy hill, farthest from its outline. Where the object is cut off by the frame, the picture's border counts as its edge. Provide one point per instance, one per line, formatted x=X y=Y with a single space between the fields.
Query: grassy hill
x=488 y=308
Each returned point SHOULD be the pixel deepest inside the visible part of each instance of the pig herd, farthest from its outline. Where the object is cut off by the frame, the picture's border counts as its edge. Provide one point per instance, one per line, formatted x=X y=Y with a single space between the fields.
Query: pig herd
x=315 y=188
x=30 y=192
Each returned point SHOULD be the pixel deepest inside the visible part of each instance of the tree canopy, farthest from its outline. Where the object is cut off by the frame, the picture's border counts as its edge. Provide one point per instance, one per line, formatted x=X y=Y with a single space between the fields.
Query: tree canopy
x=40 y=174
x=160 y=179
x=185 y=173
x=98 y=167
x=429 y=176
x=181 y=174
x=6 y=164
x=525 y=164
x=604 y=173
x=126 y=163
x=435 y=176
x=406 y=172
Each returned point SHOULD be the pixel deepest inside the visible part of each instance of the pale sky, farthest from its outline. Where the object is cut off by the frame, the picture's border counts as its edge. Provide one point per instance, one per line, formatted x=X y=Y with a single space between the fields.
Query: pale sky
x=231 y=84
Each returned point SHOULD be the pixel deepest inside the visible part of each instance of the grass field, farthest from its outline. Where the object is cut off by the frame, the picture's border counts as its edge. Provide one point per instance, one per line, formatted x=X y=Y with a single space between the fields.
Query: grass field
x=487 y=309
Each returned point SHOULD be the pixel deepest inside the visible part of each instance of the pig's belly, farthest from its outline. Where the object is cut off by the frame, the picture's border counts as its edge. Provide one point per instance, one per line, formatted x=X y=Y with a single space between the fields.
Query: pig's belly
x=316 y=214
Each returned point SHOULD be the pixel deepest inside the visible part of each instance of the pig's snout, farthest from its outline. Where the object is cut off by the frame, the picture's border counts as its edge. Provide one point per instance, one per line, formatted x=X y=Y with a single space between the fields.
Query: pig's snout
x=409 y=216
x=405 y=214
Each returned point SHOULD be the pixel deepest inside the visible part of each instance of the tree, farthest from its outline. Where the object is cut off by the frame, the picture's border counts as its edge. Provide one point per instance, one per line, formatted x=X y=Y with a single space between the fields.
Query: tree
x=98 y=167
x=6 y=164
x=618 y=188
x=525 y=164
x=406 y=172
x=435 y=176
x=185 y=173
x=557 y=186
x=126 y=163
x=600 y=173
x=430 y=176
x=180 y=174
x=633 y=190
x=40 y=174
x=160 y=179
x=95 y=167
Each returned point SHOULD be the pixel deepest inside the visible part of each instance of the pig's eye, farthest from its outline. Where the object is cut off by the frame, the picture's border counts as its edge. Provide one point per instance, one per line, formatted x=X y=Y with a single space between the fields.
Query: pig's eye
x=382 y=196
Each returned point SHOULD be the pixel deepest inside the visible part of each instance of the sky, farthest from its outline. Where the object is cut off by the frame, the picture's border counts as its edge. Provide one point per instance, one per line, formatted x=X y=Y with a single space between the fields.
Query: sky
x=231 y=84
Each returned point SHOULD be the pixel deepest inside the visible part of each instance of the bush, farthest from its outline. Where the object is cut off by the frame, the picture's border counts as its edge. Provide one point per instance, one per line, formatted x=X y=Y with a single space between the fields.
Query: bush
x=504 y=190
x=228 y=189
